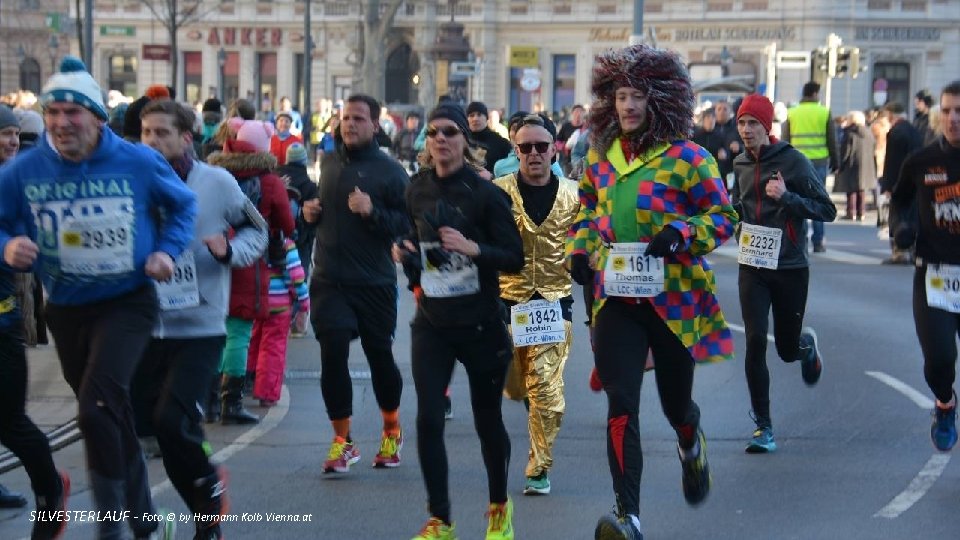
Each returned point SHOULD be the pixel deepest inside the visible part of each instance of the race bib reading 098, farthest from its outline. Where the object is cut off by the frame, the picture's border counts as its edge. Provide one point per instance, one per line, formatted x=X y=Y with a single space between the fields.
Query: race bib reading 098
x=181 y=290
x=943 y=287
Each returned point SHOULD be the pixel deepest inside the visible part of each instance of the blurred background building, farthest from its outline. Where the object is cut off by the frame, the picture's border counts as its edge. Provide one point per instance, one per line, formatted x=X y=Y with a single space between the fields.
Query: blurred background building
x=511 y=54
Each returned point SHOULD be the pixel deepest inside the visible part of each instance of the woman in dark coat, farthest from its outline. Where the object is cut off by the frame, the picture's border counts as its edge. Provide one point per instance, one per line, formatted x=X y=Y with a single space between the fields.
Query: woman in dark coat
x=858 y=170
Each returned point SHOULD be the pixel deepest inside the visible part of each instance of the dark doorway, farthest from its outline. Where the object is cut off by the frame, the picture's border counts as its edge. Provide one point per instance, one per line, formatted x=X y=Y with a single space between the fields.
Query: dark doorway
x=402 y=65
x=30 y=75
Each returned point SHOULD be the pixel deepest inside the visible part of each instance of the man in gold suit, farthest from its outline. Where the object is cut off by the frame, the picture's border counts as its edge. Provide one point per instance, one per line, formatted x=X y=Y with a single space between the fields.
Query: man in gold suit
x=539 y=296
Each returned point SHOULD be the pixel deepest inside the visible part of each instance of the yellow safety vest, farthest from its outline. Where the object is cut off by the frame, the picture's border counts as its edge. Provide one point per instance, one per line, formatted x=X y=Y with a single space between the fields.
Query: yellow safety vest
x=808 y=129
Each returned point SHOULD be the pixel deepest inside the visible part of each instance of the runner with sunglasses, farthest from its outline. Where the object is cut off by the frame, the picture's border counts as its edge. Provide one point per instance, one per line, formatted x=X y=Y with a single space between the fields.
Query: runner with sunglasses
x=652 y=205
x=463 y=234
x=539 y=296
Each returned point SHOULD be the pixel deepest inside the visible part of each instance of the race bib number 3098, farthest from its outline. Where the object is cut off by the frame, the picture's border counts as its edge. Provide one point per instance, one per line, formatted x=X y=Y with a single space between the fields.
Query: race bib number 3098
x=943 y=287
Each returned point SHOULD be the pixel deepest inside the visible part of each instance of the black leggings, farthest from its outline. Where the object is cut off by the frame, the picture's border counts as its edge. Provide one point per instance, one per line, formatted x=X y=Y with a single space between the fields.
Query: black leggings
x=485 y=351
x=624 y=334
x=99 y=346
x=785 y=291
x=17 y=431
x=938 y=331
x=175 y=375
x=341 y=313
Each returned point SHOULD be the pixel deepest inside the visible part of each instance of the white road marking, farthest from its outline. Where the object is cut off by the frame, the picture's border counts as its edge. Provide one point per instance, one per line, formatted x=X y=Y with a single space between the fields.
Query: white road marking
x=273 y=418
x=917 y=488
x=927 y=476
x=921 y=400
x=743 y=330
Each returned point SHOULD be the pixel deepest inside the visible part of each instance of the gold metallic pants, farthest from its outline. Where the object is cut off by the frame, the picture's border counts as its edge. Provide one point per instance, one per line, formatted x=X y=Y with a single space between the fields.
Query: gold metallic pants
x=536 y=373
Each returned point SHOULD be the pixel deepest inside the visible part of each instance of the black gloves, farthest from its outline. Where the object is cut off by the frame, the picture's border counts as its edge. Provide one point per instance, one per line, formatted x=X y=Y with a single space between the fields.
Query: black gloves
x=905 y=236
x=666 y=242
x=580 y=269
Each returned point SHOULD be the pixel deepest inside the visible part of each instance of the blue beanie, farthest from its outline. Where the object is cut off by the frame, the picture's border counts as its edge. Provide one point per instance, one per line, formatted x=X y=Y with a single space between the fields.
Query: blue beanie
x=74 y=84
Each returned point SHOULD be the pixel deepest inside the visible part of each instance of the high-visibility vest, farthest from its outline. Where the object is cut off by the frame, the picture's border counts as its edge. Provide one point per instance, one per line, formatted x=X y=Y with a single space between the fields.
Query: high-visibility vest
x=808 y=129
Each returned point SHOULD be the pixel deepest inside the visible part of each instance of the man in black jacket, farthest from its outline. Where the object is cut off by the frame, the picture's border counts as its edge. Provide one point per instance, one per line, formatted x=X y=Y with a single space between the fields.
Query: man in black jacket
x=353 y=291
x=903 y=139
x=495 y=146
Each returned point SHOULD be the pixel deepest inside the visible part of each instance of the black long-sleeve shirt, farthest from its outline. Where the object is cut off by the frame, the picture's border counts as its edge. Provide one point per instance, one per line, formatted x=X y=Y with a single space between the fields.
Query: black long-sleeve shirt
x=932 y=175
x=483 y=215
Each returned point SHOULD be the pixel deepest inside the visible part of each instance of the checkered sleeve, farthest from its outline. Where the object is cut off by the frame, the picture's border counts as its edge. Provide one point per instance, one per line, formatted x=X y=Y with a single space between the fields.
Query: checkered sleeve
x=582 y=238
x=715 y=216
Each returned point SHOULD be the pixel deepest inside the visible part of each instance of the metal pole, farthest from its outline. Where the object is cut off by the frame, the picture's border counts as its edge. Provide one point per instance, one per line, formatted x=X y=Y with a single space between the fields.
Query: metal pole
x=637 y=36
x=88 y=34
x=307 y=114
x=221 y=62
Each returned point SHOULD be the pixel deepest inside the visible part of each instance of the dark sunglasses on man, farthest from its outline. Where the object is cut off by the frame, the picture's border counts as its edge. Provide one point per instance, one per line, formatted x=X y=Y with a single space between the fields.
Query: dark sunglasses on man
x=527 y=147
x=447 y=131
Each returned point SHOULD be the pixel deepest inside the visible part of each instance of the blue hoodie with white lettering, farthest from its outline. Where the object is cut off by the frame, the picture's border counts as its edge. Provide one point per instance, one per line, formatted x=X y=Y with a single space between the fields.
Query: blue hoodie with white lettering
x=97 y=220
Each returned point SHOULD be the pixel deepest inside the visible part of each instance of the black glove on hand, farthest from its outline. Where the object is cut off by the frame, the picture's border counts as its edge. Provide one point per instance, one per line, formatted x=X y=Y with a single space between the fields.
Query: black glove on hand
x=666 y=242
x=580 y=269
x=905 y=237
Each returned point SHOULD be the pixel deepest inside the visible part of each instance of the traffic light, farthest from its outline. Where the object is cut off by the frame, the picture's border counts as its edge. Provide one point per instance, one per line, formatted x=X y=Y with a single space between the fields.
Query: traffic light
x=843 y=59
x=853 y=63
x=819 y=60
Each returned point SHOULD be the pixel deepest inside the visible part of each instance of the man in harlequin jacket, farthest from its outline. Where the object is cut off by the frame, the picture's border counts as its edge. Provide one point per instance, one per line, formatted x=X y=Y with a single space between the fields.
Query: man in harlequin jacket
x=652 y=205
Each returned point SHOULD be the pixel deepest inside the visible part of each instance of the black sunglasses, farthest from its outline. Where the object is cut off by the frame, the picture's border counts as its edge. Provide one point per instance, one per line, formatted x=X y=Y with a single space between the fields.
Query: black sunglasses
x=527 y=147
x=448 y=131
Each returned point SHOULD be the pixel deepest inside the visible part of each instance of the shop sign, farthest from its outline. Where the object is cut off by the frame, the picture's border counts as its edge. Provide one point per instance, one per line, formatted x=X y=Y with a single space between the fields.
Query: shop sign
x=609 y=34
x=897 y=33
x=524 y=56
x=156 y=52
x=261 y=37
x=736 y=33
x=111 y=30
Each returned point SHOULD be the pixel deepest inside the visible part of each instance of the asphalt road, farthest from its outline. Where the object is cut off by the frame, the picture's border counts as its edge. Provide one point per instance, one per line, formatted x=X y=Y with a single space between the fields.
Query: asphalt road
x=855 y=458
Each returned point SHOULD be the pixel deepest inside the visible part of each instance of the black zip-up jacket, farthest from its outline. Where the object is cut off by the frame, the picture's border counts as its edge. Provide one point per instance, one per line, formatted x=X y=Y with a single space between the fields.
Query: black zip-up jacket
x=350 y=249
x=484 y=215
x=932 y=175
x=806 y=198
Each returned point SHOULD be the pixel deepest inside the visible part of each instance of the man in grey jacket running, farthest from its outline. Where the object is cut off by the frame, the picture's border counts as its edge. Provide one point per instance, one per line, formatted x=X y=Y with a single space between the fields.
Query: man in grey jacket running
x=183 y=356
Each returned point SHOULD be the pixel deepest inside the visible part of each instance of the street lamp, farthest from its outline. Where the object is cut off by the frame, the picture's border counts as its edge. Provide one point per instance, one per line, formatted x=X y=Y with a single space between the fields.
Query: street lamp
x=54 y=46
x=221 y=64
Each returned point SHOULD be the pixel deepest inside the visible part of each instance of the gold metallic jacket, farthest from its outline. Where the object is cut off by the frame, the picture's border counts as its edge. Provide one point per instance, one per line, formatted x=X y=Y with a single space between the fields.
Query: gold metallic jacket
x=543 y=268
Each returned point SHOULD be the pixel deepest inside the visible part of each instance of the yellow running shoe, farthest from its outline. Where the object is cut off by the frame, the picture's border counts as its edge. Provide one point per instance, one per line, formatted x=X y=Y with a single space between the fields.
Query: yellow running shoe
x=501 y=521
x=389 y=454
x=436 y=529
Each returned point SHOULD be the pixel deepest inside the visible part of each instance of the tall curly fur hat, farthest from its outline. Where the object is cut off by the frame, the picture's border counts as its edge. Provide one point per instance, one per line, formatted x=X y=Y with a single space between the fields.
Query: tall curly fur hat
x=658 y=72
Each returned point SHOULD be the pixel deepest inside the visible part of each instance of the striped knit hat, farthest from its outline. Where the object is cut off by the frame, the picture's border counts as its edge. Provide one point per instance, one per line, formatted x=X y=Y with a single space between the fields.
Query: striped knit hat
x=74 y=84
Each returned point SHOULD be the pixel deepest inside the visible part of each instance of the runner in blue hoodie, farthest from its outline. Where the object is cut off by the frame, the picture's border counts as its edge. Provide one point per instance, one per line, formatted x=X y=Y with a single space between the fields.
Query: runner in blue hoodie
x=83 y=211
x=188 y=340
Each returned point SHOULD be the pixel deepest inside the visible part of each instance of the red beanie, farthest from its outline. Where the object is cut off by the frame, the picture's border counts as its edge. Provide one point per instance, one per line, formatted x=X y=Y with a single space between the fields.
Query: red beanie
x=759 y=107
x=157 y=91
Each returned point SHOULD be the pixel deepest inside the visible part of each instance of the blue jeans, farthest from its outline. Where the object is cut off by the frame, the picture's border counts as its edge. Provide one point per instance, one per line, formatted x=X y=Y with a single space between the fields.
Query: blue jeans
x=817 y=238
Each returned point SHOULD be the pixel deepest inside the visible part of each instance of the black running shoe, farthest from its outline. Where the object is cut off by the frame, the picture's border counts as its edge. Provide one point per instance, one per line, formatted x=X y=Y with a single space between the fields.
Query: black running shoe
x=811 y=365
x=610 y=527
x=696 y=471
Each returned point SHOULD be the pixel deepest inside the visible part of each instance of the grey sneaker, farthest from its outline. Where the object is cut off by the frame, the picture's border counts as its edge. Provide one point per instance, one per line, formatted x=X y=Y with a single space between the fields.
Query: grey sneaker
x=811 y=365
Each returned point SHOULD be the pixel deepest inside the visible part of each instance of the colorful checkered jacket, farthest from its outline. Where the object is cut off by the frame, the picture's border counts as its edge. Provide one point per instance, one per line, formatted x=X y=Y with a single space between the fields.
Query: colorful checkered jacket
x=680 y=187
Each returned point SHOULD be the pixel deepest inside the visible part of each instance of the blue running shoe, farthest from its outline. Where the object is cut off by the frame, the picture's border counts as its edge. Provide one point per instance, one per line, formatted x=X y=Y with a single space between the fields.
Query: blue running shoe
x=943 y=432
x=762 y=441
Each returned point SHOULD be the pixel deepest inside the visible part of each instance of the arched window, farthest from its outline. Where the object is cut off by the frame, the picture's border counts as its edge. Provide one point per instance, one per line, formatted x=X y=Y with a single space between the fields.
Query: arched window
x=402 y=64
x=30 y=75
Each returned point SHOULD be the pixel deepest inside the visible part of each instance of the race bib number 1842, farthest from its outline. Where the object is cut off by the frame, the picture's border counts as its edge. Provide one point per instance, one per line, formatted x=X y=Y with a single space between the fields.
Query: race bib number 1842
x=537 y=322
